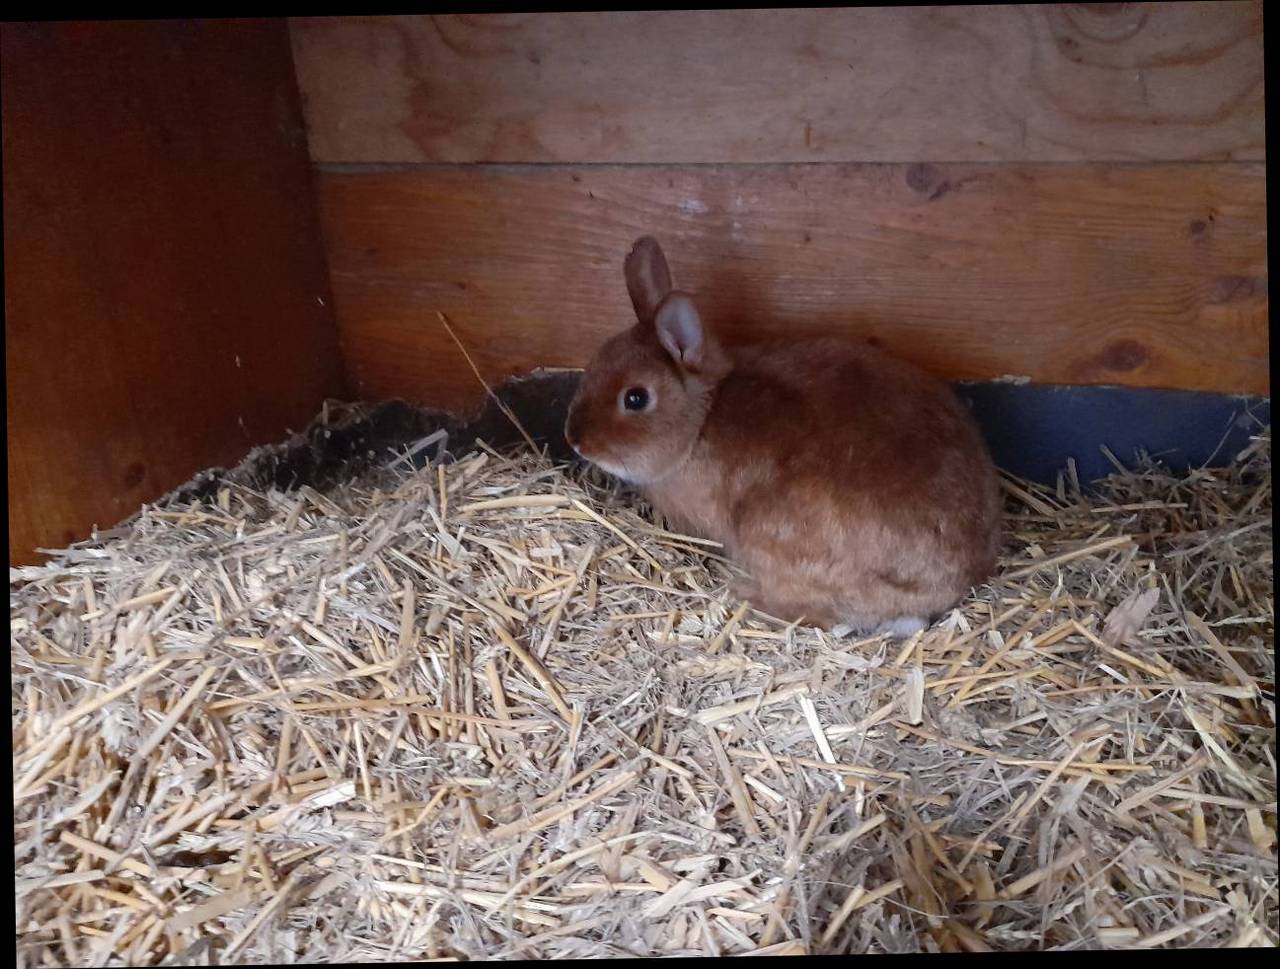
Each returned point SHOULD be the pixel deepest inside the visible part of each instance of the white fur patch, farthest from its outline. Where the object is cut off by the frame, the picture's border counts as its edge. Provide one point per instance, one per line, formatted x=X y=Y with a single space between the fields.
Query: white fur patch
x=903 y=626
x=610 y=468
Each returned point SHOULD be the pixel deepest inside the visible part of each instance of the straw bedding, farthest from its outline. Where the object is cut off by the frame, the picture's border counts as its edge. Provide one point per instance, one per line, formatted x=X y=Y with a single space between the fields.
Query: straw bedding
x=491 y=709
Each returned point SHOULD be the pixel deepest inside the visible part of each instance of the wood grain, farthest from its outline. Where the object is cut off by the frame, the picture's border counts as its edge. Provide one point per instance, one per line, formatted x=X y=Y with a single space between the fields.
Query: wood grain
x=165 y=289
x=1026 y=83
x=1142 y=275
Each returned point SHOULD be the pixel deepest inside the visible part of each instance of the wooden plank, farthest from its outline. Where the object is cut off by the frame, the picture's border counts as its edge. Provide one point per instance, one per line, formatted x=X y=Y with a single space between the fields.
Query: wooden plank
x=1026 y=83
x=165 y=288
x=1152 y=276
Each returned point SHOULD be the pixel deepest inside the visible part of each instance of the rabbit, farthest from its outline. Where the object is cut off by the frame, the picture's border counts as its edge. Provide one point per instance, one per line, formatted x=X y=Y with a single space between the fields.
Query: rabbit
x=855 y=489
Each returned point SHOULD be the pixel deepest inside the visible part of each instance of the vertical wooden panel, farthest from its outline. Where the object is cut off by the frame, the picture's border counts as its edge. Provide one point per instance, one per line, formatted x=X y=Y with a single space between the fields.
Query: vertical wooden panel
x=166 y=300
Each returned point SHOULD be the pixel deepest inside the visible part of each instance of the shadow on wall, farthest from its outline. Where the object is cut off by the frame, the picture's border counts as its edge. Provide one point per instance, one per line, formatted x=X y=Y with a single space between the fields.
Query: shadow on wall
x=1031 y=430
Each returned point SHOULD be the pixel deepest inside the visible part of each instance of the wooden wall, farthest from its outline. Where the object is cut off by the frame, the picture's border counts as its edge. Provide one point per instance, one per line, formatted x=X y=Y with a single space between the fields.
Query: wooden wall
x=166 y=301
x=1073 y=193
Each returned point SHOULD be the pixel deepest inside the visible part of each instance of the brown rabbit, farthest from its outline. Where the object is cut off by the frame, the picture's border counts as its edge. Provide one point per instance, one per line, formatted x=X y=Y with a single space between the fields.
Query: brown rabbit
x=853 y=487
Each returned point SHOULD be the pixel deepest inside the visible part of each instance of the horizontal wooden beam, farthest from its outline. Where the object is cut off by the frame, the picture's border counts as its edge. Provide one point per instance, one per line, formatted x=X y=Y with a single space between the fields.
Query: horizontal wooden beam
x=1141 y=275
x=998 y=82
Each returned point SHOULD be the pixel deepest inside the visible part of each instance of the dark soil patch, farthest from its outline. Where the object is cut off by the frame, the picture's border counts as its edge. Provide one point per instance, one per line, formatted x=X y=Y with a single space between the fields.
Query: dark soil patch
x=348 y=439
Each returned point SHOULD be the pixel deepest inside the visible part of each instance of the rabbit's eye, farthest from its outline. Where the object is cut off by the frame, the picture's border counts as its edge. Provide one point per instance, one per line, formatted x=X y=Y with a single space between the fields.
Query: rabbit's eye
x=635 y=398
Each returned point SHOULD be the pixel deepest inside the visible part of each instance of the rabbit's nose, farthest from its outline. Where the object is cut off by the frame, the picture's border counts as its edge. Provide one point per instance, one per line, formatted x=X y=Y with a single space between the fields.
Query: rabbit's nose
x=573 y=430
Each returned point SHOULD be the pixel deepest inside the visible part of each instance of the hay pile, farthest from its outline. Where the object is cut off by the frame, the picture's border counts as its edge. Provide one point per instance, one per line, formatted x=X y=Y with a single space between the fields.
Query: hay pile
x=490 y=709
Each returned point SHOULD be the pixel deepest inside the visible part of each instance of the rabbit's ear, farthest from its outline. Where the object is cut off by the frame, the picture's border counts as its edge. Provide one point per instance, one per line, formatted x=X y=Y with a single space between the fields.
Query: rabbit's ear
x=648 y=278
x=680 y=331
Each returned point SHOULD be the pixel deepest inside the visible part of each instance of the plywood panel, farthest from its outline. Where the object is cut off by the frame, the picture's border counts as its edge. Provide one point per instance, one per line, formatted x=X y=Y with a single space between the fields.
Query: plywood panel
x=165 y=289
x=1033 y=82
x=1150 y=276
